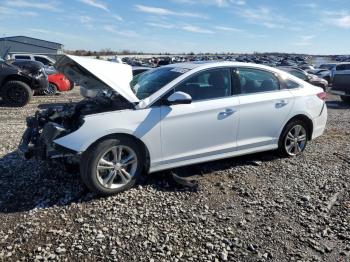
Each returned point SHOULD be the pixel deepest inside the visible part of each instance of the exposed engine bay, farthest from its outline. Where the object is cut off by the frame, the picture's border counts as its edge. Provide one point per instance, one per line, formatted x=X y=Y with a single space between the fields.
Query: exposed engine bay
x=57 y=121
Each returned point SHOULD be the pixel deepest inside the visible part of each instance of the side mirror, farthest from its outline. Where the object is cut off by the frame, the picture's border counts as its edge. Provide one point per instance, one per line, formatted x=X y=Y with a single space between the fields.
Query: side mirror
x=179 y=98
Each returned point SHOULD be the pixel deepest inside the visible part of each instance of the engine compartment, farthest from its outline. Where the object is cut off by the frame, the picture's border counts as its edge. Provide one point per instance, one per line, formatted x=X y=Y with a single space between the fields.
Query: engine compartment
x=59 y=120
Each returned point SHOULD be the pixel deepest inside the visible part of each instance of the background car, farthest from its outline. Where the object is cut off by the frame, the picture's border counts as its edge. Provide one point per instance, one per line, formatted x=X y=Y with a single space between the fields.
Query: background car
x=19 y=80
x=322 y=73
x=341 y=81
x=172 y=116
x=310 y=78
x=46 y=60
x=58 y=82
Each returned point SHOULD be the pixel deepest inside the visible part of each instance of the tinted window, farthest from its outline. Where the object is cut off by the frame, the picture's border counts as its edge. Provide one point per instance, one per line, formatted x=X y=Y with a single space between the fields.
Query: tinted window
x=291 y=84
x=22 y=57
x=209 y=84
x=136 y=72
x=343 y=67
x=256 y=81
x=150 y=82
x=42 y=60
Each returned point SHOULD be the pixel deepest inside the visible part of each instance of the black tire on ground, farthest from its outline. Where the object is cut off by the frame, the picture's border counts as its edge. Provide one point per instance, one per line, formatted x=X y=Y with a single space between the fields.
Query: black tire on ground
x=16 y=93
x=51 y=90
x=282 y=140
x=346 y=99
x=91 y=157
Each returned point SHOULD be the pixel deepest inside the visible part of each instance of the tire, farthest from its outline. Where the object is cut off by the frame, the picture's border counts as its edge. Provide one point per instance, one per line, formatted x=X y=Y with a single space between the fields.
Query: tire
x=51 y=90
x=109 y=178
x=16 y=93
x=346 y=99
x=287 y=144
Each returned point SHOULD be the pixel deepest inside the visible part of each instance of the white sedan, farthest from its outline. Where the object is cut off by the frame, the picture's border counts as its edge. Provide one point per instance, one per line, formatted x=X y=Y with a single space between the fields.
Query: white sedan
x=172 y=116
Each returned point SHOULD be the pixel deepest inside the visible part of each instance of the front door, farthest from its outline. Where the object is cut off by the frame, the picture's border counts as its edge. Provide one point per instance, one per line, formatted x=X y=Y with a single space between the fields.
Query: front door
x=205 y=127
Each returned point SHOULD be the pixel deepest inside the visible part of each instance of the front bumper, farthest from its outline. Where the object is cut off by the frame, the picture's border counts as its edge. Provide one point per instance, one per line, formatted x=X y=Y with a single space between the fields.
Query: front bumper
x=39 y=144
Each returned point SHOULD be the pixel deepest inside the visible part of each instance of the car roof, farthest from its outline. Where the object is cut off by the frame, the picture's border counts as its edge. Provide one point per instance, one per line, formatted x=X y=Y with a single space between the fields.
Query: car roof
x=213 y=64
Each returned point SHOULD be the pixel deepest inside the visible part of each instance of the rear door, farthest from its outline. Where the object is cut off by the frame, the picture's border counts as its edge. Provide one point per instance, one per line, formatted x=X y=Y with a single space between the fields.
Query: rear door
x=264 y=108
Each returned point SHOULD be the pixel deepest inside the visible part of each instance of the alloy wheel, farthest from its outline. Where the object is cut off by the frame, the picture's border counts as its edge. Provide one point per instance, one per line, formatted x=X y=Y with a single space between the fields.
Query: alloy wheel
x=116 y=167
x=50 y=90
x=295 y=141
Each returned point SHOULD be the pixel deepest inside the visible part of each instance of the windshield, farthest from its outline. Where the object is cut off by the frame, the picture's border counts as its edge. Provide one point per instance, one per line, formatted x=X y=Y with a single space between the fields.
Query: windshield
x=146 y=84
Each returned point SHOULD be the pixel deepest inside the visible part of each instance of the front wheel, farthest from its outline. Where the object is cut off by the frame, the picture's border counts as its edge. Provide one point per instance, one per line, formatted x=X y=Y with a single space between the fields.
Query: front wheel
x=293 y=139
x=16 y=93
x=112 y=165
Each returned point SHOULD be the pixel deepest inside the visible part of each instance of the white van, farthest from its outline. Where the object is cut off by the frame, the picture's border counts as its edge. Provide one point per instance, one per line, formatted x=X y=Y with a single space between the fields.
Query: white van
x=46 y=60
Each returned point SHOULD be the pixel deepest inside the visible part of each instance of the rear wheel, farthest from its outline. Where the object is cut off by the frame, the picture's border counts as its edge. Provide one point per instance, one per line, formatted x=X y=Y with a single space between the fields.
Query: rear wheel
x=112 y=165
x=16 y=93
x=346 y=99
x=293 y=139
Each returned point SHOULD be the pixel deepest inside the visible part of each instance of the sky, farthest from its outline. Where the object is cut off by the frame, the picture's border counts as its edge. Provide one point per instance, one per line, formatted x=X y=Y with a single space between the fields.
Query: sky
x=175 y=26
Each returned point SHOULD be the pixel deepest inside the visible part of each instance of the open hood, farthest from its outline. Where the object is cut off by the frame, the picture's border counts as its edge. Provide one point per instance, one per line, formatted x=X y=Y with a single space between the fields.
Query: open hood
x=98 y=74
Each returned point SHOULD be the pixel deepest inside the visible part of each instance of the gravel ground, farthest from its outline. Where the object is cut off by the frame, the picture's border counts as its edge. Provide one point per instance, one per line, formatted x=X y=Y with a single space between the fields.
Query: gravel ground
x=253 y=208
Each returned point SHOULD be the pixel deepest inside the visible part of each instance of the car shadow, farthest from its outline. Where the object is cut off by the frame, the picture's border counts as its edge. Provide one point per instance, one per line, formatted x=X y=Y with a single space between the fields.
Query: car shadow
x=53 y=105
x=336 y=104
x=34 y=184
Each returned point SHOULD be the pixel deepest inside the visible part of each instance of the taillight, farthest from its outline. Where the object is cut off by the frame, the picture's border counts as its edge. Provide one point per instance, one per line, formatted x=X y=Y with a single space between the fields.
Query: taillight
x=322 y=96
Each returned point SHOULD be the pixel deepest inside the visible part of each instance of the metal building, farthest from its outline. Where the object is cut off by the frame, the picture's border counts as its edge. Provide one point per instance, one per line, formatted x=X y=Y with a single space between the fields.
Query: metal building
x=25 y=44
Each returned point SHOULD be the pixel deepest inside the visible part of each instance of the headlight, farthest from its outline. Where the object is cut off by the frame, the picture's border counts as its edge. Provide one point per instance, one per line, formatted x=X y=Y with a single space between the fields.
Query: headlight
x=39 y=74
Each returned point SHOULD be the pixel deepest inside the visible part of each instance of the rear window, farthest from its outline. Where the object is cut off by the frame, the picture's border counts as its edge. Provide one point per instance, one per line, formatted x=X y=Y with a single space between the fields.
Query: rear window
x=42 y=60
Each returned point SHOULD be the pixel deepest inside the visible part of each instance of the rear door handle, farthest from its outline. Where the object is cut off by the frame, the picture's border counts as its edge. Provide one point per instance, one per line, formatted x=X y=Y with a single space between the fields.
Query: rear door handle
x=281 y=103
x=227 y=112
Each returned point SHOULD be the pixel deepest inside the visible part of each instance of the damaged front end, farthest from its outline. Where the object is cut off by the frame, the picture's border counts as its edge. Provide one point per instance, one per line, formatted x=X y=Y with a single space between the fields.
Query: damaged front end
x=57 y=121
x=105 y=88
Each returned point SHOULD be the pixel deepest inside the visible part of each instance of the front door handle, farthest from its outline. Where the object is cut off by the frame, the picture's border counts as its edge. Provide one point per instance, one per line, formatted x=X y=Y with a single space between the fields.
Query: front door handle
x=281 y=103
x=227 y=112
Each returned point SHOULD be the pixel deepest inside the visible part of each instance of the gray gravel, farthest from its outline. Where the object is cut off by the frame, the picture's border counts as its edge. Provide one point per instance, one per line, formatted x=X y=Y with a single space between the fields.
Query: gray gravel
x=253 y=208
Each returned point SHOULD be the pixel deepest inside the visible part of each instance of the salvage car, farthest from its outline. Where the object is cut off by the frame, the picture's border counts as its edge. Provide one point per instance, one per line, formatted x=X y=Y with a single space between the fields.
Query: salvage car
x=172 y=116
x=341 y=81
x=58 y=82
x=19 y=79
x=310 y=78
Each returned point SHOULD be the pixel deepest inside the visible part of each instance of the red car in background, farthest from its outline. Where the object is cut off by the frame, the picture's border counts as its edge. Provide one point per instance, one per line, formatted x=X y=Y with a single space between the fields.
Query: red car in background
x=57 y=82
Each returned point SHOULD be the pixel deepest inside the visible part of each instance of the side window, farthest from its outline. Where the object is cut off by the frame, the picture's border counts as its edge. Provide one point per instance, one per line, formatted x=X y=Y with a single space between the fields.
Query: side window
x=22 y=57
x=291 y=84
x=256 y=81
x=214 y=83
x=42 y=60
x=343 y=67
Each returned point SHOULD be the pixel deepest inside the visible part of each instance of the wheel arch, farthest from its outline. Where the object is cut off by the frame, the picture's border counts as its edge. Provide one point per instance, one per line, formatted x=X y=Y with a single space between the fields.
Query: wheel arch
x=138 y=140
x=16 y=77
x=306 y=120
